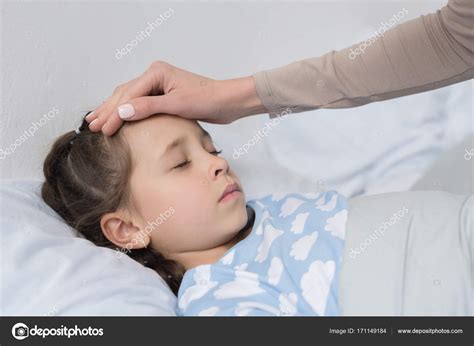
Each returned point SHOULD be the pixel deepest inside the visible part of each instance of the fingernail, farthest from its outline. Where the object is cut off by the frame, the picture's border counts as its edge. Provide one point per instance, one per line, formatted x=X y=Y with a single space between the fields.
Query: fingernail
x=93 y=121
x=126 y=111
x=89 y=115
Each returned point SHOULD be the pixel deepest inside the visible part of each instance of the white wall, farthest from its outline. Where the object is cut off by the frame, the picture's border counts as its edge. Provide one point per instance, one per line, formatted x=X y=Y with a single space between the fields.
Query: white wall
x=60 y=56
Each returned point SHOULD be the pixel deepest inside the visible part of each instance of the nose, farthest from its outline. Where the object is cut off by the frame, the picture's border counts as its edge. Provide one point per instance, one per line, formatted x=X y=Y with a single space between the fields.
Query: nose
x=217 y=167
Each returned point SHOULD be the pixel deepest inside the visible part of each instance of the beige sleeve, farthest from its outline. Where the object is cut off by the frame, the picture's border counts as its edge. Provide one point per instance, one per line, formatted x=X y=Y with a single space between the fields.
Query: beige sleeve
x=422 y=54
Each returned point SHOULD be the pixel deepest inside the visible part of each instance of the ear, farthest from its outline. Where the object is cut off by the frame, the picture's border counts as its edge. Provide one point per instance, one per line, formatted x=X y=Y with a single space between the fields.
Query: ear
x=123 y=233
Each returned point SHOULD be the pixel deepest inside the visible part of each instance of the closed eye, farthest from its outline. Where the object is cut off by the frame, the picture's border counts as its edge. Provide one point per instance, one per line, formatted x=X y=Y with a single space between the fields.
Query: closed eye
x=182 y=164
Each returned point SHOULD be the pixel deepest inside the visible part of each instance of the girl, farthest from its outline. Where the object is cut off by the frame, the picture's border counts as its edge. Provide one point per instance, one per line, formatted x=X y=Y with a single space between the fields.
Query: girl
x=159 y=192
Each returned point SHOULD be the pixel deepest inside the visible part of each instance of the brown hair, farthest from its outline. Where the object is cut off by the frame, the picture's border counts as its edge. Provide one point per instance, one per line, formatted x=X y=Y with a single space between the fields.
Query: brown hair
x=87 y=175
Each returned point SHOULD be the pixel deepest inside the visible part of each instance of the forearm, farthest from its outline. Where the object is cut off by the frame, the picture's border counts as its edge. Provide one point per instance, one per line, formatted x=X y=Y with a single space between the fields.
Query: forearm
x=426 y=53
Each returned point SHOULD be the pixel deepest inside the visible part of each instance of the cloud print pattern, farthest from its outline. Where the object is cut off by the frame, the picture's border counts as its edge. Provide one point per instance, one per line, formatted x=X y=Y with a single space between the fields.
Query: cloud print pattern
x=287 y=266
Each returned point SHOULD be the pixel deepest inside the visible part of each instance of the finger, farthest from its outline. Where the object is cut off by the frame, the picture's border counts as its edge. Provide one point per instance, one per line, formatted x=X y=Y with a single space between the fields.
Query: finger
x=99 y=117
x=142 y=85
x=96 y=125
x=91 y=116
x=142 y=107
x=112 y=125
x=95 y=112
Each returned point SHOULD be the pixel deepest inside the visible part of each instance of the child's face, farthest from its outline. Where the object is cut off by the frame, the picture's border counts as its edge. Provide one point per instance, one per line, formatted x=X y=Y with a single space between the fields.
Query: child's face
x=188 y=195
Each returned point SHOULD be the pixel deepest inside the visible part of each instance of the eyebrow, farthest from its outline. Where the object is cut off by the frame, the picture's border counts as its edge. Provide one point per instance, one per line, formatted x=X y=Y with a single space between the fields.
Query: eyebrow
x=180 y=140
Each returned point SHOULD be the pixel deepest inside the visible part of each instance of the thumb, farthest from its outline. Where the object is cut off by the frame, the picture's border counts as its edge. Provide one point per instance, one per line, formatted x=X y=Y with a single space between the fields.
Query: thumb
x=143 y=107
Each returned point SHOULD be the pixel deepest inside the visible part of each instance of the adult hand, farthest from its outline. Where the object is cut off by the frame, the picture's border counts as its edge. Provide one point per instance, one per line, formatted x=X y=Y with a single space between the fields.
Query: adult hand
x=164 y=88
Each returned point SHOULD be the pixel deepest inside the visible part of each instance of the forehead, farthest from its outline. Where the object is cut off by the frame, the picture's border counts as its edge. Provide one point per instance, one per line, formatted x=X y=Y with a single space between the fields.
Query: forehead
x=149 y=137
x=164 y=127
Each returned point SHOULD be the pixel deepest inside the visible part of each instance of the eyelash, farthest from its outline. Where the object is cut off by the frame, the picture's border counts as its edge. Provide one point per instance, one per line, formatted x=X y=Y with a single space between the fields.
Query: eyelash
x=181 y=165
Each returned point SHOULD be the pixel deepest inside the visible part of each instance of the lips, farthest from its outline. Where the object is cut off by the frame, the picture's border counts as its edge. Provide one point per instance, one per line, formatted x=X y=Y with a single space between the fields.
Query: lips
x=230 y=188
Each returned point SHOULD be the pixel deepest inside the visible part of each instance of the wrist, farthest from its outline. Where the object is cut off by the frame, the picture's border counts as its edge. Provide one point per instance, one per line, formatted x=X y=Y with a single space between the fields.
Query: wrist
x=239 y=97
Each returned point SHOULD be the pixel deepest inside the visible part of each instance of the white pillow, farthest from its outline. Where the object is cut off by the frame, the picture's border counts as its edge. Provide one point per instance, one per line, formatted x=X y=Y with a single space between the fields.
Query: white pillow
x=47 y=269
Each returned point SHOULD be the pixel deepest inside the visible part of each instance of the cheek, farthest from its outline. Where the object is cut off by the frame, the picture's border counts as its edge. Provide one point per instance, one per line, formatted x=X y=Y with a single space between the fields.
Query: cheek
x=192 y=201
x=191 y=195
x=194 y=209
